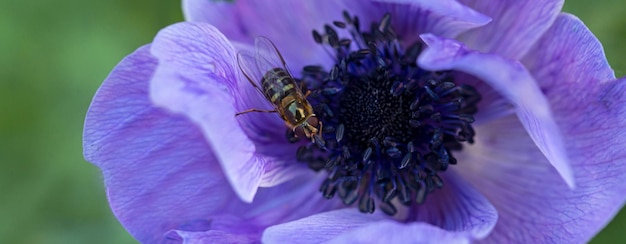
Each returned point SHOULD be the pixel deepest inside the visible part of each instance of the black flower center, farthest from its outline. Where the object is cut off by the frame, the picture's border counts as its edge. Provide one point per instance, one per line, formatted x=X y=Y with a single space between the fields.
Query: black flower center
x=389 y=127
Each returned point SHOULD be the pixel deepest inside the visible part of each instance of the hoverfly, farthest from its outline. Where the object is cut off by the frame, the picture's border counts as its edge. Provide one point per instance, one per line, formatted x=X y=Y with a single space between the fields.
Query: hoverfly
x=267 y=72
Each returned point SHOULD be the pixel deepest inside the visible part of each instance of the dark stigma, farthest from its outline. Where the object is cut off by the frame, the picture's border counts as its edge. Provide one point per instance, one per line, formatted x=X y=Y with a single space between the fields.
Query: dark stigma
x=390 y=127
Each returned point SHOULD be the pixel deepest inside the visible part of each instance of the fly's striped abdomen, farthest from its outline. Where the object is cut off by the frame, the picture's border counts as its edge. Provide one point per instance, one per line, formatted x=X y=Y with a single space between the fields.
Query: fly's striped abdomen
x=277 y=84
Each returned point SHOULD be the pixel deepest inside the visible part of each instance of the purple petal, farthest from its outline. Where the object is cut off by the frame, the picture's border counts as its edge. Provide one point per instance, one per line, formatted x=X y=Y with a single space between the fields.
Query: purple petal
x=321 y=227
x=590 y=107
x=514 y=83
x=163 y=180
x=387 y=232
x=196 y=77
x=459 y=210
x=212 y=236
x=457 y=207
x=157 y=167
x=516 y=25
x=112 y=109
x=446 y=18
x=289 y=23
x=568 y=52
x=221 y=14
x=533 y=204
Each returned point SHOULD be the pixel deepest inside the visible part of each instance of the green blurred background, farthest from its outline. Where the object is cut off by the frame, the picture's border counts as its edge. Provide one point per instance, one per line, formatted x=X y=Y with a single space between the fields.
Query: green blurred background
x=53 y=57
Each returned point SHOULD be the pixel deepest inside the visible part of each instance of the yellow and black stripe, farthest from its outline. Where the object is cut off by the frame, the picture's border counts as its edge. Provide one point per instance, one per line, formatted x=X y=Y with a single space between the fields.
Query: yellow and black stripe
x=277 y=84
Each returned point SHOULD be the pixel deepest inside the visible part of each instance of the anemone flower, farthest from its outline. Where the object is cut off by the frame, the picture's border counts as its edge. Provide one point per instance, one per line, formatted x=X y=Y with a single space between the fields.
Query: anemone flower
x=434 y=121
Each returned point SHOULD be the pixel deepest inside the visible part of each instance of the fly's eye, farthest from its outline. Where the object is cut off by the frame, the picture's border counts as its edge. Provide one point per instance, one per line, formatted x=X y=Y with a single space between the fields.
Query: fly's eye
x=312 y=121
x=299 y=132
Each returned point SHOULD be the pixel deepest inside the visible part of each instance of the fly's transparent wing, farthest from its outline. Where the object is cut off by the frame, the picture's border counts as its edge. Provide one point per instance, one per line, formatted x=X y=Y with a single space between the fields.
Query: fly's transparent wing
x=248 y=66
x=263 y=63
x=268 y=58
x=267 y=55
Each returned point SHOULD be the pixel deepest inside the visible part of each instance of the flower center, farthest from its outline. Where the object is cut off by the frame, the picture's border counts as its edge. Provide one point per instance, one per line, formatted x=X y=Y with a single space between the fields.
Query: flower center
x=389 y=127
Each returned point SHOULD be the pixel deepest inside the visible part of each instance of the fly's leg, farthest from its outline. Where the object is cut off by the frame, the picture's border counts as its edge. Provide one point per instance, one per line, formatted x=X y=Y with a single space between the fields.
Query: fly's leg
x=318 y=140
x=256 y=110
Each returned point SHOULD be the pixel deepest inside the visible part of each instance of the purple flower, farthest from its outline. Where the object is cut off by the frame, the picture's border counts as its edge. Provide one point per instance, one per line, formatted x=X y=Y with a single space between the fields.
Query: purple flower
x=447 y=121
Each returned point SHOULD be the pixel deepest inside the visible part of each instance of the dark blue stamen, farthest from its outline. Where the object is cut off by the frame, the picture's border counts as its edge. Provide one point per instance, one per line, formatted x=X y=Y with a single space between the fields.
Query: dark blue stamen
x=389 y=126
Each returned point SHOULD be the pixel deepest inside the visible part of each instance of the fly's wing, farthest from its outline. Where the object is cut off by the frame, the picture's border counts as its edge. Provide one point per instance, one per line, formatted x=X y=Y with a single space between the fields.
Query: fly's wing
x=247 y=64
x=268 y=57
